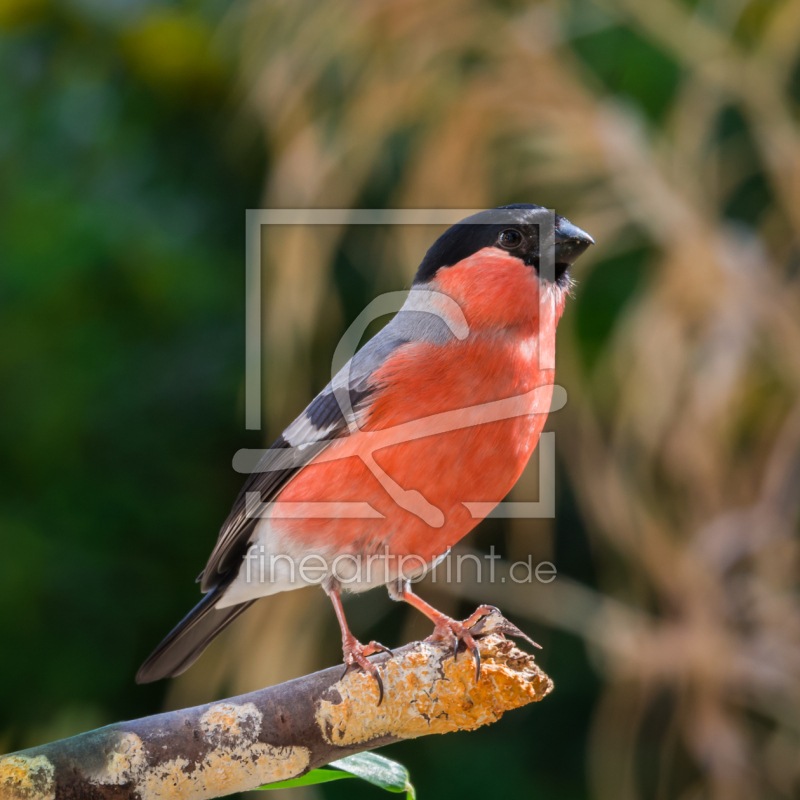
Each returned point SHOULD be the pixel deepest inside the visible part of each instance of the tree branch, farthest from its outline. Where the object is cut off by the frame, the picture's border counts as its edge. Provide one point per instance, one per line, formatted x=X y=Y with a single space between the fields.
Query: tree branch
x=283 y=731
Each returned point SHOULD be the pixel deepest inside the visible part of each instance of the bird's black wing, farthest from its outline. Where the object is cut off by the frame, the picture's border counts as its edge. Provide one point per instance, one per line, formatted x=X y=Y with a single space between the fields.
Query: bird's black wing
x=312 y=432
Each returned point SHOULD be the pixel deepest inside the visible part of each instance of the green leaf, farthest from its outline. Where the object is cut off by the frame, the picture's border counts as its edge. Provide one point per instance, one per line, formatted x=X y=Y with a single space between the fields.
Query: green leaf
x=379 y=771
x=309 y=779
x=374 y=769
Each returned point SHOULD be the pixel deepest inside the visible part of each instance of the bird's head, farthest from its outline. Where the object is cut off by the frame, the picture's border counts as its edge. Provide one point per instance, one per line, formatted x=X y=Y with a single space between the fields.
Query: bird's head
x=492 y=262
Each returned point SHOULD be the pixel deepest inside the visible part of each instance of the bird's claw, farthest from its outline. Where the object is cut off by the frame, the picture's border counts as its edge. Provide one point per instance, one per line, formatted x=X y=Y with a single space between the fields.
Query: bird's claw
x=455 y=631
x=355 y=654
x=483 y=621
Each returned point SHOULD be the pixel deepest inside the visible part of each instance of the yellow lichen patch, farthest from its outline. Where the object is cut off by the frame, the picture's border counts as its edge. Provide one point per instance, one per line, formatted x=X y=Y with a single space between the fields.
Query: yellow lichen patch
x=26 y=778
x=429 y=692
x=125 y=762
x=237 y=762
x=223 y=772
x=231 y=721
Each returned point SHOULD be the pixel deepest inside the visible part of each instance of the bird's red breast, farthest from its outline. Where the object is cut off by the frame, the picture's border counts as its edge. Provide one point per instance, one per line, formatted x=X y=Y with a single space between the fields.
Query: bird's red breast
x=511 y=332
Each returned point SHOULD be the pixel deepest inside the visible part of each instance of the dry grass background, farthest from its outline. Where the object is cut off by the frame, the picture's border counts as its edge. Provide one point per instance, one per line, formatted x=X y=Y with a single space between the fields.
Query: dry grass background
x=681 y=438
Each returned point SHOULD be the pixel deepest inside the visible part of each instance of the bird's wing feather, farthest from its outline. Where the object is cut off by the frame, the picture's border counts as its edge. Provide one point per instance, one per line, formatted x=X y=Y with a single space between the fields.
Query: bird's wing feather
x=312 y=432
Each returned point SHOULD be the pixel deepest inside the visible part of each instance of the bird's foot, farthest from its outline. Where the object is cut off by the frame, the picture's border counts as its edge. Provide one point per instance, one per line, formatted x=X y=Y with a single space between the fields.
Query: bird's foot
x=355 y=654
x=484 y=620
x=449 y=629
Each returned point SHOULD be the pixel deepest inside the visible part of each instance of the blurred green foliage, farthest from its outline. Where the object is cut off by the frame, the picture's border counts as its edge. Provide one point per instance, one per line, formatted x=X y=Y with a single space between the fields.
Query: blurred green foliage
x=631 y=67
x=122 y=205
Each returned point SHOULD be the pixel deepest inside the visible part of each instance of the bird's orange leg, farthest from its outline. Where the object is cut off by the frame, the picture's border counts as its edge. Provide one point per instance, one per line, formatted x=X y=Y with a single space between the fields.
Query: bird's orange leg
x=355 y=652
x=448 y=629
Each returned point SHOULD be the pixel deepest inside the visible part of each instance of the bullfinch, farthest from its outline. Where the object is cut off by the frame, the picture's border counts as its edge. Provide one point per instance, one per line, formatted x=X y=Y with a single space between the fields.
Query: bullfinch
x=434 y=416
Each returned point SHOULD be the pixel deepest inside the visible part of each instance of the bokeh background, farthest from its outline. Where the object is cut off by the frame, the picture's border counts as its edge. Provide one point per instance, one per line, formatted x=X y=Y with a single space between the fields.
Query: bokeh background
x=133 y=136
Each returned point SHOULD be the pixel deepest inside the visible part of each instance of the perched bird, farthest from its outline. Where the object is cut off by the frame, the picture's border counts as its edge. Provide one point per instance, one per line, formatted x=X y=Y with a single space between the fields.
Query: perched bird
x=410 y=430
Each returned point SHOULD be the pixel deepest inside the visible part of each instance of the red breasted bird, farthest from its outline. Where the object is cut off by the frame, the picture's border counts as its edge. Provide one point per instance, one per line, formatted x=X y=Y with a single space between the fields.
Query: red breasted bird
x=420 y=431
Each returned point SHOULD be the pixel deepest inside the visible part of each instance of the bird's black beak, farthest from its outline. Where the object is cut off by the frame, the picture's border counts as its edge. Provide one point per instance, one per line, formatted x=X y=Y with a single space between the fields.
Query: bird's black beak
x=570 y=243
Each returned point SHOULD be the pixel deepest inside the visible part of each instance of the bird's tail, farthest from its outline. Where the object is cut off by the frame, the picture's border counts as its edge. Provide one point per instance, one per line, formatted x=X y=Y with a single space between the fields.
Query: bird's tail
x=187 y=640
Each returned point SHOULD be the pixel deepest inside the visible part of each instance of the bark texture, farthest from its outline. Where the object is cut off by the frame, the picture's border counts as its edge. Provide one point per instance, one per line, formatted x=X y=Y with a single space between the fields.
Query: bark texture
x=283 y=731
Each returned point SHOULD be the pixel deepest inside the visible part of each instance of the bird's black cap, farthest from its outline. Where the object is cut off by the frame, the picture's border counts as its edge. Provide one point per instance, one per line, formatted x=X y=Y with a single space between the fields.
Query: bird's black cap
x=514 y=229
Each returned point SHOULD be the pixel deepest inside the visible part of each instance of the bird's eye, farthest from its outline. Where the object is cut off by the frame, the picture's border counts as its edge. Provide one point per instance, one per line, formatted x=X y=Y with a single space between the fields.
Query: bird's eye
x=510 y=239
